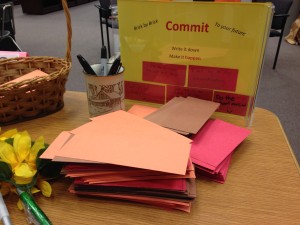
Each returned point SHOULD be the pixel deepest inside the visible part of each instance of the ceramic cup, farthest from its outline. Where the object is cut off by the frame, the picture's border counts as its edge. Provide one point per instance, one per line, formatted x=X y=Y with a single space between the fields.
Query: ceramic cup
x=105 y=94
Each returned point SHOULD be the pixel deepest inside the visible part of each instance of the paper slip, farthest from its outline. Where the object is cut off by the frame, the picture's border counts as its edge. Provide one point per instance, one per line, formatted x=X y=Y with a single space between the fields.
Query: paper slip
x=184 y=114
x=28 y=76
x=141 y=110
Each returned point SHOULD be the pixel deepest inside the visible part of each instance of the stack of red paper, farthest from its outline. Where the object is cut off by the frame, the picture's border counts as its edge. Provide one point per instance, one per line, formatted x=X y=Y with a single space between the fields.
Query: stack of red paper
x=123 y=156
x=145 y=186
x=212 y=148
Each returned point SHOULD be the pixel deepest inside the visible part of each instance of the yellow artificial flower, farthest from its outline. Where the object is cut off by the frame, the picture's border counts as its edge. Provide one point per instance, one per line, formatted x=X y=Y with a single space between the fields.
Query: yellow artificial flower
x=37 y=146
x=7 y=154
x=8 y=134
x=43 y=186
x=23 y=173
x=22 y=145
x=20 y=205
x=21 y=156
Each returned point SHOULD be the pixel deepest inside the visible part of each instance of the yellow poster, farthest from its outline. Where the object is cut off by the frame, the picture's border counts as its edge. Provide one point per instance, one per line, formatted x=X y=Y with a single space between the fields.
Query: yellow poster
x=209 y=50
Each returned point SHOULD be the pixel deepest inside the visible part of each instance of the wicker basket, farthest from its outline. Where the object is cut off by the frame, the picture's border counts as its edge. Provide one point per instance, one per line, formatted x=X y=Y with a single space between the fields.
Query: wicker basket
x=36 y=97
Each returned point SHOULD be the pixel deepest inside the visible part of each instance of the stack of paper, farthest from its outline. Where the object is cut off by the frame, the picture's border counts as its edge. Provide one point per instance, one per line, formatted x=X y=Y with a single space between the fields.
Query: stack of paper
x=184 y=115
x=156 y=188
x=212 y=148
x=127 y=157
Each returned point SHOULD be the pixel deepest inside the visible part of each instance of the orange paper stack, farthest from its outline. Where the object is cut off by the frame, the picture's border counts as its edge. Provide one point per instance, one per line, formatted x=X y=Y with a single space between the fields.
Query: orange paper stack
x=120 y=155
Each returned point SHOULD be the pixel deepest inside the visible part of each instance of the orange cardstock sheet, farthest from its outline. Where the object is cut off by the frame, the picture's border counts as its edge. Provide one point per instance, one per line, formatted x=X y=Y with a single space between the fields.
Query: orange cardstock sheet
x=141 y=110
x=121 y=138
x=28 y=76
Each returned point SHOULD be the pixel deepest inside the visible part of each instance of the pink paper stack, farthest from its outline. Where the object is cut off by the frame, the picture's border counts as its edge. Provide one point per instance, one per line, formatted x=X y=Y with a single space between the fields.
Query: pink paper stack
x=214 y=140
x=213 y=146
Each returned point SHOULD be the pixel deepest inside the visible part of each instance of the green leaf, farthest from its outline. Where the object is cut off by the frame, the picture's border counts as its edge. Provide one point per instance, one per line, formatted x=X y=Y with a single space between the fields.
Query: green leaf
x=5 y=171
x=9 y=141
x=51 y=170
x=46 y=167
x=40 y=163
x=42 y=150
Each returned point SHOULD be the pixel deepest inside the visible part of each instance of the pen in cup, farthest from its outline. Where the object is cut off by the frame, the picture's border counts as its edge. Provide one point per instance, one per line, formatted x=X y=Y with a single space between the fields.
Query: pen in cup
x=4 y=215
x=104 y=69
x=113 y=58
x=85 y=65
x=115 y=67
x=119 y=68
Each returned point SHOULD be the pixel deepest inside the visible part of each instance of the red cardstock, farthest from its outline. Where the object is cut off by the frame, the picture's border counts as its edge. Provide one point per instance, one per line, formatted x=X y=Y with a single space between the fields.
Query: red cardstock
x=144 y=92
x=177 y=91
x=212 y=78
x=164 y=73
x=232 y=103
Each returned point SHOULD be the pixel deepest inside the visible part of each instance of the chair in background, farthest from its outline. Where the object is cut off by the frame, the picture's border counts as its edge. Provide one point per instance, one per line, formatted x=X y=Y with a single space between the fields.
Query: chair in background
x=280 y=16
x=9 y=22
x=7 y=42
x=107 y=10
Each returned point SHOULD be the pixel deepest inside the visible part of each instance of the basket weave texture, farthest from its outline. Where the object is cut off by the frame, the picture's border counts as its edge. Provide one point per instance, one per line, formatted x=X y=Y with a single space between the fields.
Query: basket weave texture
x=29 y=99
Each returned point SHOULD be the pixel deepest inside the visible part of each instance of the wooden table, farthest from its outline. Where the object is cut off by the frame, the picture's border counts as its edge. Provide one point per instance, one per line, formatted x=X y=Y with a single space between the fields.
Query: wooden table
x=262 y=187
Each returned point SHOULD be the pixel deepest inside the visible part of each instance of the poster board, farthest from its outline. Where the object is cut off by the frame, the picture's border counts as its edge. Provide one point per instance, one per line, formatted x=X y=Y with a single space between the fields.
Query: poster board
x=209 y=50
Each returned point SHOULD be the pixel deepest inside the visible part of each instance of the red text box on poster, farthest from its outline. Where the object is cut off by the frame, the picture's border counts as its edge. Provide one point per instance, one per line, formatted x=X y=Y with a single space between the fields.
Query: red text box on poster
x=176 y=91
x=145 y=92
x=164 y=73
x=212 y=78
x=232 y=103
